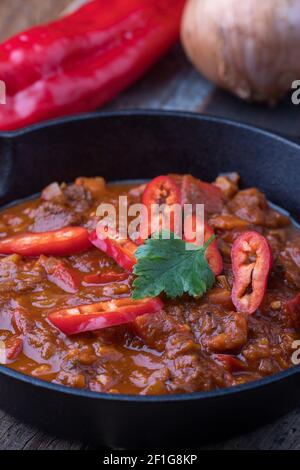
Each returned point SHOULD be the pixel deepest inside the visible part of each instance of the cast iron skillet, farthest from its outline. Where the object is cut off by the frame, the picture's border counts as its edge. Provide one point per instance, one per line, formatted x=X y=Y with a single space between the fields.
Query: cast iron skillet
x=131 y=145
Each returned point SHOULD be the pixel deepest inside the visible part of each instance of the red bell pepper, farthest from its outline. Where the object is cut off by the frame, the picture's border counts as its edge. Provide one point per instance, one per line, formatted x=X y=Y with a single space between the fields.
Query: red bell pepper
x=120 y=250
x=83 y=60
x=100 y=315
x=64 y=242
x=251 y=258
x=213 y=254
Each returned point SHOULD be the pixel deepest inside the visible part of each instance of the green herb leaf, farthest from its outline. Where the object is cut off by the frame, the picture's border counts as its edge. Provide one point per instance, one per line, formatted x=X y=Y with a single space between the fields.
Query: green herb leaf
x=168 y=266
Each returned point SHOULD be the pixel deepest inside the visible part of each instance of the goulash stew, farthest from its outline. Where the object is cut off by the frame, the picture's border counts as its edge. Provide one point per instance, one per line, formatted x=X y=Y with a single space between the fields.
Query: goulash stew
x=147 y=315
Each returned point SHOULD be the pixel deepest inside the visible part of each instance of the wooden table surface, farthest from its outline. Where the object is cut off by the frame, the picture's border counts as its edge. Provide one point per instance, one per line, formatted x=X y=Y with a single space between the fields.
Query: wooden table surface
x=173 y=84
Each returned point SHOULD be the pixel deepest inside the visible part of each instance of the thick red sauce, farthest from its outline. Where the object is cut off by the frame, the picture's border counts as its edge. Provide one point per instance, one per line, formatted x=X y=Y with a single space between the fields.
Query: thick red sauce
x=175 y=351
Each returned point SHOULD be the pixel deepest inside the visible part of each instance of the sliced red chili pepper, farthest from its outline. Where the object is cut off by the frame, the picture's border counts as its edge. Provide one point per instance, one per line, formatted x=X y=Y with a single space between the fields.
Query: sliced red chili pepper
x=162 y=190
x=82 y=60
x=213 y=254
x=230 y=363
x=195 y=191
x=64 y=242
x=100 y=315
x=251 y=258
x=60 y=274
x=104 y=278
x=11 y=349
x=14 y=347
x=120 y=250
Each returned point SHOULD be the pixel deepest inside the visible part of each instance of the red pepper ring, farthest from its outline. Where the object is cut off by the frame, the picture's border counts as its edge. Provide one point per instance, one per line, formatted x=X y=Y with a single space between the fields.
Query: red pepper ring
x=120 y=250
x=101 y=315
x=212 y=254
x=64 y=242
x=251 y=263
x=162 y=190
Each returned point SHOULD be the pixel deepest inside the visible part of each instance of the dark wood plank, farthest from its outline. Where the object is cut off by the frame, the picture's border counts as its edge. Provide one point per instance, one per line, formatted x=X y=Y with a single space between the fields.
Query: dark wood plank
x=283 y=119
x=175 y=85
x=172 y=84
x=283 y=434
x=16 y=15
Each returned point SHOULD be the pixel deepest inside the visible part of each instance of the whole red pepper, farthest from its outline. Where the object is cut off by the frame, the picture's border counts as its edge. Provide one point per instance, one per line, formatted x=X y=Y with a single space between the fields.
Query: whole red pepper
x=83 y=60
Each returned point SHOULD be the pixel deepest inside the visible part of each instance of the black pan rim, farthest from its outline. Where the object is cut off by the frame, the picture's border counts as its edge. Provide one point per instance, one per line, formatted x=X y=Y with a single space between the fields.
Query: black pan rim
x=239 y=389
x=140 y=112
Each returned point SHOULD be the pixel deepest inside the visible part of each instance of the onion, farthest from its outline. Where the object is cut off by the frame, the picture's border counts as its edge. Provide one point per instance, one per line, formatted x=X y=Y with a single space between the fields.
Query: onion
x=249 y=47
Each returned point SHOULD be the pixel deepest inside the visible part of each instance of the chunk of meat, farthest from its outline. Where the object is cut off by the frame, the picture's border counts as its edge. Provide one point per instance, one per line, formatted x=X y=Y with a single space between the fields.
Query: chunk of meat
x=292 y=311
x=54 y=193
x=228 y=184
x=18 y=276
x=52 y=216
x=155 y=329
x=181 y=355
x=269 y=346
x=289 y=260
x=96 y=186
x=71 y=379
x=157 y=382
x=40 y=342
x=78 y=197
x=195 y=191
x=222 y=297
x=277 y=240
x=227 y=222
x=61 y=206
x=233 y=335
x=252 y=206
x=189 y=372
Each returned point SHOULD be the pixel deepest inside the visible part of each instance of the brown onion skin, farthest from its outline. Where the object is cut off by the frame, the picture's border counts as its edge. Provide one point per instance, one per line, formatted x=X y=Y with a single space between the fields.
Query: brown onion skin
x=248 y=47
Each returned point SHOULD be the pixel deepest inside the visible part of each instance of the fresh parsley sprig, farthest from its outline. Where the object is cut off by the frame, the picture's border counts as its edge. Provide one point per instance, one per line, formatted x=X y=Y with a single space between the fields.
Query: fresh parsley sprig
x=166 y=265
